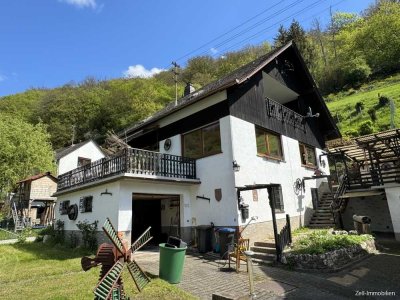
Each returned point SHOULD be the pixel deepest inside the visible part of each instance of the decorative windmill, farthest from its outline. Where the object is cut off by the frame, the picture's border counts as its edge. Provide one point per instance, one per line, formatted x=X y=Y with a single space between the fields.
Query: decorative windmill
x=112 y=258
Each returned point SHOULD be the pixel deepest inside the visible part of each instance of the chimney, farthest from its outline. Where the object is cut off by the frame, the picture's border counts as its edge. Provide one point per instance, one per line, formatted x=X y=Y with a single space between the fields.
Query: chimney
x=188 y=89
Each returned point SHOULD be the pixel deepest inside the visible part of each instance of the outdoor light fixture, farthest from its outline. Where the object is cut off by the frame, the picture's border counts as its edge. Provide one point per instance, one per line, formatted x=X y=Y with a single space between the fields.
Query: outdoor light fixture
x=236 y=167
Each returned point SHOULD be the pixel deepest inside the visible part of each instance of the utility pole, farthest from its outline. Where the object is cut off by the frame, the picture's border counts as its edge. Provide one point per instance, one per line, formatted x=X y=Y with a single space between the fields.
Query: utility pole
x=176 y=73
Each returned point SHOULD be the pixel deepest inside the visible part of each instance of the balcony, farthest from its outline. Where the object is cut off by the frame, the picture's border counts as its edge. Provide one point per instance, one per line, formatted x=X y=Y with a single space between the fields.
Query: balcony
x=285 y=115
x=138 y=162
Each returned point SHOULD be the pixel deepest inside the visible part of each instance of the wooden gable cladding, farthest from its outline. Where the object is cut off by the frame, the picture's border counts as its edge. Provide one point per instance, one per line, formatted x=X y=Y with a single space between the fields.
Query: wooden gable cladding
x=247 y=102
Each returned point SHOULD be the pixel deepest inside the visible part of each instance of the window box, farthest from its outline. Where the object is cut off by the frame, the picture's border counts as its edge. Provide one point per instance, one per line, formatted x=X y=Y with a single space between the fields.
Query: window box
x=86 y=204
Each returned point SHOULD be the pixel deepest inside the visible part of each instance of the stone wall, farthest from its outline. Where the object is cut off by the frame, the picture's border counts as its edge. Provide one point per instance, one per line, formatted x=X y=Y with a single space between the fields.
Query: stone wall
x=330 y=261
x=375 y=207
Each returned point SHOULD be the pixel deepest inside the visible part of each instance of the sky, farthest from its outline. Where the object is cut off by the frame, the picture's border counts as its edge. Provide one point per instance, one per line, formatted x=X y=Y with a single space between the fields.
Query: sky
x=48 y=43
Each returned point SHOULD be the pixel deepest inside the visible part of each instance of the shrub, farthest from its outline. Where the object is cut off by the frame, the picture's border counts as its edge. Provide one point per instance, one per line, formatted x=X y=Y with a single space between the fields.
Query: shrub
x=321 y=241
x=372 y=114
x=383 y=101
x=359 y=107
x=88 y=231
x=356 y=71
x=351 y=133
x=73 y=240
x=26 y=232
x=366 y=128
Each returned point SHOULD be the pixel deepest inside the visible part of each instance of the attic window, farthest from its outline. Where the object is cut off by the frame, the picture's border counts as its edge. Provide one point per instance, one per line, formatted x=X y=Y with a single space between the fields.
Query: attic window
x=64 y=207
x=83 y=161
x=86 y=204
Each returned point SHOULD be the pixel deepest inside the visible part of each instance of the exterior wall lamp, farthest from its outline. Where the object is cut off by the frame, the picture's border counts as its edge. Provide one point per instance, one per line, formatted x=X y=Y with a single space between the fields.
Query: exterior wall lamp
x=235 y=166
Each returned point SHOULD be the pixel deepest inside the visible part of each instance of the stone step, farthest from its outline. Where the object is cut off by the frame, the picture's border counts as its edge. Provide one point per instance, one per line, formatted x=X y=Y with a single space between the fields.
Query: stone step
x=264 y=256
x=268 y=244
x=321 y=221
x=322 y=217
x=258 y=249
x=323 y=211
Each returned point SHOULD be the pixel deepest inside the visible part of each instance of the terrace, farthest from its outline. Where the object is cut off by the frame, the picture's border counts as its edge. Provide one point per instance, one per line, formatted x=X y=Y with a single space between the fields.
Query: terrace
x=135 y=162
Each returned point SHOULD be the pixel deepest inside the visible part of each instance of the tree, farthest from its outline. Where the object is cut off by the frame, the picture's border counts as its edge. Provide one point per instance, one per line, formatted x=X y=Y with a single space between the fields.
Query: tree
x=24 y=150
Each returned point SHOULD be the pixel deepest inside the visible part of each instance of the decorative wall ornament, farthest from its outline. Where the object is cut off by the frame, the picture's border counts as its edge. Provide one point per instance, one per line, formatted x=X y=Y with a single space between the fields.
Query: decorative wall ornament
x=73 y=212
x=167 y=144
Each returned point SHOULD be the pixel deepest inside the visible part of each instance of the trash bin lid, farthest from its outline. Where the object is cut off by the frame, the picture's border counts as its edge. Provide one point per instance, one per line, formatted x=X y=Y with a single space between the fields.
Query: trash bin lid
x=227 y=229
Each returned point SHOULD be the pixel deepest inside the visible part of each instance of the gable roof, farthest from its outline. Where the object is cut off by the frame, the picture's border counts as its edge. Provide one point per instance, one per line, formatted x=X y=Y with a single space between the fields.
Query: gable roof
x=38 y=176
x=60 y=153
x=234 y=78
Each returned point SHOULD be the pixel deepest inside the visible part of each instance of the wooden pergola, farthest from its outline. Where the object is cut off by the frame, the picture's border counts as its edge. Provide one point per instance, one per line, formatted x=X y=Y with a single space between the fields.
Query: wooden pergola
x=370 y=160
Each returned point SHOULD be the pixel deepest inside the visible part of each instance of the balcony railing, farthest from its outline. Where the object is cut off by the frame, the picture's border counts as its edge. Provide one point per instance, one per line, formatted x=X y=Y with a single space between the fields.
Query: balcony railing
x=284 y=114
x=133 y=161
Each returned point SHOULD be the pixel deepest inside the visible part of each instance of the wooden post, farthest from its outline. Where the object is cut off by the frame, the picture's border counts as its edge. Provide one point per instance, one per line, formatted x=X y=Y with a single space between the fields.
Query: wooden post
x=289 y=228
x=272 y=205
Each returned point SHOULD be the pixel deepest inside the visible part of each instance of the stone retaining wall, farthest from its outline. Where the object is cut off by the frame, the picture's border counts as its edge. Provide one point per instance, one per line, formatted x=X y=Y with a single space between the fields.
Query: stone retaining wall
x=330 y=261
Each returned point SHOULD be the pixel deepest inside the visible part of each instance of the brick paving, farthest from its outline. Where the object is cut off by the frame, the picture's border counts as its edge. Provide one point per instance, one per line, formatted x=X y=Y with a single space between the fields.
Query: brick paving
x=203 y=276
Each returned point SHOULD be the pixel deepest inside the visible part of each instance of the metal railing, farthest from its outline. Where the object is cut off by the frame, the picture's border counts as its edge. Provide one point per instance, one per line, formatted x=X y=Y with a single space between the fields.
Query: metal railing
x=284 y=114
x=133 y=161
x=284 y=238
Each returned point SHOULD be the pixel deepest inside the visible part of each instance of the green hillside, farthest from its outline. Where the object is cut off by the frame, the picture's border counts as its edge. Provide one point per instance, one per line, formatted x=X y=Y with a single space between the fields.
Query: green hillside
x=343 y=106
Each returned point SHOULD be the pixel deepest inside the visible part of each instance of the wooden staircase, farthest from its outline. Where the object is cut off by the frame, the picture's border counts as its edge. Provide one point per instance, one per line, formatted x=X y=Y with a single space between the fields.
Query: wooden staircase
x=323 y=216
x=264 y=252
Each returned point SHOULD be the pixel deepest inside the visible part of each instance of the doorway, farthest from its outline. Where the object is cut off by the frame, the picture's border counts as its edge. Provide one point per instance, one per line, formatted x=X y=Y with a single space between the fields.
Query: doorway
x=161 y=212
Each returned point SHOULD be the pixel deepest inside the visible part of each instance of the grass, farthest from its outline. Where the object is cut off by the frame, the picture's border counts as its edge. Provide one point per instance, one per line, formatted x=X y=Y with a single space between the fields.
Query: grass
x=344 y=103
x=7 y=235
x=38 y=271
x=319 y=241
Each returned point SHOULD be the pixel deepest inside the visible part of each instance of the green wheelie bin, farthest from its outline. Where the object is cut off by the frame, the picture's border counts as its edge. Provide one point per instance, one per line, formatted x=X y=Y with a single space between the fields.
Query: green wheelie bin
x=171 y=263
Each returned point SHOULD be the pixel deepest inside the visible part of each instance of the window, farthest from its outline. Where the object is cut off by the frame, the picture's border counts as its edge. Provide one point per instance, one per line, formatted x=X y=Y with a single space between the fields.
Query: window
x=82 y=161
x=86 y=204
x=268 y=144
x=307 y=156
x=202 y=142
x=64 y=207
x=276 y=198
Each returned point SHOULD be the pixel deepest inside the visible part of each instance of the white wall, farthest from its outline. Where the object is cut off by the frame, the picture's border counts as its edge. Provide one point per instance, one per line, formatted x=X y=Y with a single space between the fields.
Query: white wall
x=103 y=205
x=393 y=199
x=70 y=161
x=215 y=172
x=260 y=170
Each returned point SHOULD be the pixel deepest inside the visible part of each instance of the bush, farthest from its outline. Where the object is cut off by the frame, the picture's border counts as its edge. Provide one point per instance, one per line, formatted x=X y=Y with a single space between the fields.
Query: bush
x=88 y=234
x=351 y=133
x=321 y=241
x=383 y=101
x=372 y=114
x=366 y=128
x=359 y=107
x=26 y=232
x=356 y=71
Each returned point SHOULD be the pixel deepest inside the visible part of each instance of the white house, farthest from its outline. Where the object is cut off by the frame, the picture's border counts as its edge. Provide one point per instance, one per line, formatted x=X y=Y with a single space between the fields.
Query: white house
x=77 y=155
x=263 y=124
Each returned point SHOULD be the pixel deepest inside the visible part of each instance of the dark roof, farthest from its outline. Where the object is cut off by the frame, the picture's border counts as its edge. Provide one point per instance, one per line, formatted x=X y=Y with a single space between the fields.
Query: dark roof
x=38 y=176
x=236 y=77
x=60 y=153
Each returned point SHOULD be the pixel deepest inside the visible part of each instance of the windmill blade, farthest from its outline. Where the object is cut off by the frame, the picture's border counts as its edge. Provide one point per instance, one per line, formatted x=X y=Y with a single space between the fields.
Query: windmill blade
x=138 y=276
x=110 y=231
x=105 y=286
x=141 y=241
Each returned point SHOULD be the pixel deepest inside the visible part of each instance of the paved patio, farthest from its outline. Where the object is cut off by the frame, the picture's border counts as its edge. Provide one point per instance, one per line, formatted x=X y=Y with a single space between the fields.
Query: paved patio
x=204 y=276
